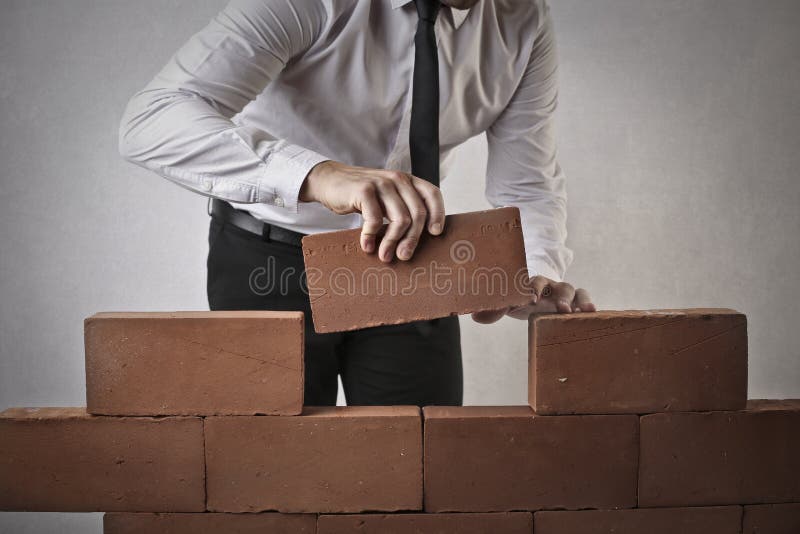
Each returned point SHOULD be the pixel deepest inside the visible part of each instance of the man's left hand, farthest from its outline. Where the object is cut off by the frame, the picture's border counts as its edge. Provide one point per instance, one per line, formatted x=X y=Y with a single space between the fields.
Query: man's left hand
x=548 y=297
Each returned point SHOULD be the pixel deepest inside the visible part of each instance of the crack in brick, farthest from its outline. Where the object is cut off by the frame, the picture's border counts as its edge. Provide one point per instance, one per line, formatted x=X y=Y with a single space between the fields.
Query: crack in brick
x=612 y=333
x=696 y=343
x=232 y=353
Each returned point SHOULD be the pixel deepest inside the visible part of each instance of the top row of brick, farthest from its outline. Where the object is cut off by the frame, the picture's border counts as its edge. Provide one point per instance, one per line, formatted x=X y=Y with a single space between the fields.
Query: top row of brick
x=249 y=363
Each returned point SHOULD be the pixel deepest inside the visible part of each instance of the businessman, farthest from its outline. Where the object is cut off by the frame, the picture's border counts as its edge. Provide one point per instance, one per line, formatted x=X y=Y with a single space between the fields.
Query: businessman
x=305 y=116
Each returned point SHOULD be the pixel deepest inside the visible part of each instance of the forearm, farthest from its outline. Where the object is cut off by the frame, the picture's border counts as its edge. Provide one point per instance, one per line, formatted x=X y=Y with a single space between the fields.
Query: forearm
x=523 y=168
x=543 y=218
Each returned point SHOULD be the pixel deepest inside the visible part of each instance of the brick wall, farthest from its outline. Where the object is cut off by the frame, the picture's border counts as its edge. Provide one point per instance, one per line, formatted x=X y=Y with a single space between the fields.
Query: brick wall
x=646 y=429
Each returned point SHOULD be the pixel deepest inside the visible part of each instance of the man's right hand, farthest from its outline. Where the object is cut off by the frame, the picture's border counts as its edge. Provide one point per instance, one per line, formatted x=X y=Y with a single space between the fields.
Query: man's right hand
x=411 y=204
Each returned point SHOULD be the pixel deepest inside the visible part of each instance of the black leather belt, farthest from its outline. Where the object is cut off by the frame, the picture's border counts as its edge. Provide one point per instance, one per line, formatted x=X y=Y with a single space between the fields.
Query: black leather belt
x=242 y=220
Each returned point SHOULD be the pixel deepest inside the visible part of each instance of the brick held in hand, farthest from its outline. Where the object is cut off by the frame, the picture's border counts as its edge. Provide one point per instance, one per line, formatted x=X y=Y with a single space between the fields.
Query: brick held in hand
x=495 y=459
x=696 y=520
x=772 y=519
x=742 y=457
x=195 y=363
x=478 y=263
x=638 y=361
x=208 y=523
x=330 y=459
x=64 y=460
x=467 y=523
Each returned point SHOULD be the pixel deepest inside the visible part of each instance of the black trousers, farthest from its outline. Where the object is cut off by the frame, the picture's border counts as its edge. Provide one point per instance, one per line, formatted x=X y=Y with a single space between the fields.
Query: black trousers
x=412 y=364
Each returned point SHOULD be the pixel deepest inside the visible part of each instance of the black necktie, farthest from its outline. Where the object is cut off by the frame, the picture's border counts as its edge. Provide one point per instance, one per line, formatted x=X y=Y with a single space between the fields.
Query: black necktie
x=424 y=135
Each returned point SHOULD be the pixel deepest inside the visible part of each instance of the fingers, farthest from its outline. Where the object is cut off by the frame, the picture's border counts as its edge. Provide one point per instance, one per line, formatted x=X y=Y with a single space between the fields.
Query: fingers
x=559 y=294
x=489 y=316
x=582 y=302
x=419 y=214
x=539 y=284
x=434 y=203
x=558 y=297
x=372 y=215
x=410 y=203
x=563 y=295
x=399 y=219
x=524 y=312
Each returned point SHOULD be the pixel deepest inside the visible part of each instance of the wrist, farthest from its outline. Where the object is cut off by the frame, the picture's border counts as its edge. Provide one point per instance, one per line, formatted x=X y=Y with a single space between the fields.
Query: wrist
x=308 y=191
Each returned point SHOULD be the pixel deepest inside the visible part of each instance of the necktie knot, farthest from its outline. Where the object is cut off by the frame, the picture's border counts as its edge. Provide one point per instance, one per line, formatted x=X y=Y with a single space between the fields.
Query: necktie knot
x=428 y=9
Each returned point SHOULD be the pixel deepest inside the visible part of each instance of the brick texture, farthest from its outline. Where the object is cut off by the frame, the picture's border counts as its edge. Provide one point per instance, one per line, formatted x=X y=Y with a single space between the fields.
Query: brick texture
x=209 y=523
x=478 y=263
x=337 y=459
x=638 y=362
x=711 y=520
x=772 y=519
x=194 y=363
x=504 y=523
x=744 y=457
x=487 y=459
x=63 y=460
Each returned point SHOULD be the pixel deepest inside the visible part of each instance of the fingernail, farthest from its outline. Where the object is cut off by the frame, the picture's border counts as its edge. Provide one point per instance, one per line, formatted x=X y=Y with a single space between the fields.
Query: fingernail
x=564 y=303
x=535 y=298
x=436 y=228
x=404 y=253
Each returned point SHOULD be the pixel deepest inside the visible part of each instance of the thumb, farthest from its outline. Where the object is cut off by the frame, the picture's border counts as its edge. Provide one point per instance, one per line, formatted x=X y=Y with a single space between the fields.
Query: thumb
x=489 y=316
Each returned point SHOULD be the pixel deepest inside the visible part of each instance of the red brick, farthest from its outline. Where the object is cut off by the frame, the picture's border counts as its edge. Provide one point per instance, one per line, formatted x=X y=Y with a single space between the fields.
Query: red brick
x=209 y=523
x=744 y=457
x=772 y=519
x=195 y=363
x=503 y=523
x=495 y=459
x=638 y=362
x=711 y=520
x=64 y=460
x=345 y=459
x=478 y=263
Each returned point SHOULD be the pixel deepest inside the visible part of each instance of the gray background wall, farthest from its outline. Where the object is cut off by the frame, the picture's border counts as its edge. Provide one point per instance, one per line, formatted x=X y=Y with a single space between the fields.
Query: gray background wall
x=680 y=134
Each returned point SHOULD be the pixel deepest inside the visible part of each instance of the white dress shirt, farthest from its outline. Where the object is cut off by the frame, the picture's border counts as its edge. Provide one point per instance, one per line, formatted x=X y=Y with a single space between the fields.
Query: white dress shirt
x=270 y=88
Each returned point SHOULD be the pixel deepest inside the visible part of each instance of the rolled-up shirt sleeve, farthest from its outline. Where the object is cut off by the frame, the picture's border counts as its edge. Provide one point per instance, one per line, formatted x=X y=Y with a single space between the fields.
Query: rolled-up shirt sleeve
x=522 y=169
x=180 y=124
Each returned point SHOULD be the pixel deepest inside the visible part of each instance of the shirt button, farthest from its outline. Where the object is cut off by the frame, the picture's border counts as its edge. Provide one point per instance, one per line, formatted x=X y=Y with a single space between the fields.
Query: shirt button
x=278 y=202
x=206 y=185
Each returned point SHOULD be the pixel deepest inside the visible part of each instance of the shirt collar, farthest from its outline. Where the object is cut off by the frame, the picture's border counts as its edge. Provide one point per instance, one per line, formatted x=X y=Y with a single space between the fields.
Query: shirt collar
x=459 y=15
